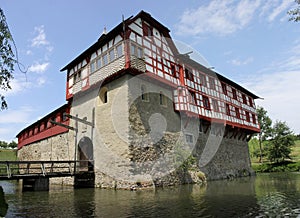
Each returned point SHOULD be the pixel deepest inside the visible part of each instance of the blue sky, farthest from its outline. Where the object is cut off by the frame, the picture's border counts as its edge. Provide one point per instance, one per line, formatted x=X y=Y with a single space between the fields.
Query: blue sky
x=249 y=41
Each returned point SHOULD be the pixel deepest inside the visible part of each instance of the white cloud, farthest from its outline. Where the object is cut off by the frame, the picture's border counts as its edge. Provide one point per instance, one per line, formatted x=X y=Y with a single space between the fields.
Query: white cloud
x=40 y=39
x=38 y=68
x=279 y=9
x=41 y=81
x=226 y=17
x=238 y=62
x=281 y=96
x=279 y=86
x=21 y=115
x=220 y=17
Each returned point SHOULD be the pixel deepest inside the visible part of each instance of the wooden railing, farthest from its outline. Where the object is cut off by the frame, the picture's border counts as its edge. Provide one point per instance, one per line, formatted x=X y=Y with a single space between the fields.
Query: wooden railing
x=10 y=170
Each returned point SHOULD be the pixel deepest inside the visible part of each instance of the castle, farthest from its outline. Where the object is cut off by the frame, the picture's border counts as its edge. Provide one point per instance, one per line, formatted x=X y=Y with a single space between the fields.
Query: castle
x=137 y=110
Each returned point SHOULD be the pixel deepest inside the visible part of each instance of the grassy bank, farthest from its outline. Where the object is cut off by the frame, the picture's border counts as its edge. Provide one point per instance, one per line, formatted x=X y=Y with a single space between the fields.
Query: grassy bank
x=292 y=165
x=8 y=154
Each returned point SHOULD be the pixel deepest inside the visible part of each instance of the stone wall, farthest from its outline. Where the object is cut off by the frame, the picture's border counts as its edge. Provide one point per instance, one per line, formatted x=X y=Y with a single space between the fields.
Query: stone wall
x=142 y=142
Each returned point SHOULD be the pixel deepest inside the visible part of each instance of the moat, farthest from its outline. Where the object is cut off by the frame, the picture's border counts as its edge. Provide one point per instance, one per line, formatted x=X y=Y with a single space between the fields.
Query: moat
x=266 y=195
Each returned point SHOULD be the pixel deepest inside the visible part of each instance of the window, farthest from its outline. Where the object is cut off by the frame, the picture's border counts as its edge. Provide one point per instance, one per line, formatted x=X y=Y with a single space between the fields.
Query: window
x=105 y=59
x=99 y=63
x=202 y=79
x=192 y=97
x=237 y=113
x=173 y=70
x=206 y=103
x=119 y=50
x=188 y=74
x=234 y=94
x=189 y=138
x=132 y=49
x=77 y=76
x=139 y=52
x=162 y=99
x=212 y=84
x=144 y=94
x=224 y=88
x=253 y=118
x=244 y=98
x=250 y=102
x=227 y=110
x=215 y=105
x=93 y=66
x=111 y=55
x=247 y=116
x=147 y=31
x=103 y=96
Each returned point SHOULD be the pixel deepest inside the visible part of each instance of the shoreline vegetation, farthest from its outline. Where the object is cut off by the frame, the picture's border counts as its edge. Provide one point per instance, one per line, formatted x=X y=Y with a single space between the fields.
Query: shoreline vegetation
x=287 y=165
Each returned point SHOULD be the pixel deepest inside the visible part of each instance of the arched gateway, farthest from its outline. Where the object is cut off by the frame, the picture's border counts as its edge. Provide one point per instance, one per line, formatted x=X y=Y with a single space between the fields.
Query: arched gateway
x=85 y=153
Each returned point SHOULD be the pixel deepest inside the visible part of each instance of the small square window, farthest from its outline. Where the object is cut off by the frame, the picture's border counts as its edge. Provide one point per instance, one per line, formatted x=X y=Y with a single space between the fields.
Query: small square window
x=189 y=138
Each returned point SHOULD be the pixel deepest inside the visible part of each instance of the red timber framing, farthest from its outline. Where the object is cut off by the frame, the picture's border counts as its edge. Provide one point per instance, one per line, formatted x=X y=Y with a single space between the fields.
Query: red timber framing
x=148 y=47
x=43 y=128
x=144 y=44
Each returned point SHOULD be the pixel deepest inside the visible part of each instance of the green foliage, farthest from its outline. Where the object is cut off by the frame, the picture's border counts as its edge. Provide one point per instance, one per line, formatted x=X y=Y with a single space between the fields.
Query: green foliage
x=280 y=143
x=265 y=123
x=12 y=144
x=295 y=13
x=7 y=60
x=285 y=166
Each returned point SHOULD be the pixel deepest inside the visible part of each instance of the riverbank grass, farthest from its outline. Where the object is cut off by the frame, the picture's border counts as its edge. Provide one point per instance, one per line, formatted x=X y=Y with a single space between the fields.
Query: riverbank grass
x=292 y=165
x=8 y=154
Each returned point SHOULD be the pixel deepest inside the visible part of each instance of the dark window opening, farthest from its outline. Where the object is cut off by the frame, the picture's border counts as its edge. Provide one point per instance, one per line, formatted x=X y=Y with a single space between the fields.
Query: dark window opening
x=250 y=102
x=244 y=98
x=206 y=103
x=173 y=70
x=192 y=97
x=254 y=118
x=237 y=113
x=234 y=94
x=224 y=88
x=227 y=110
x=247 y=116
x=188 y=74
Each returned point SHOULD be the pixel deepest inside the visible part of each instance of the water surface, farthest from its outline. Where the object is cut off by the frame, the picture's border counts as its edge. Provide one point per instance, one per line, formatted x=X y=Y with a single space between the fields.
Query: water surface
x=266 y=195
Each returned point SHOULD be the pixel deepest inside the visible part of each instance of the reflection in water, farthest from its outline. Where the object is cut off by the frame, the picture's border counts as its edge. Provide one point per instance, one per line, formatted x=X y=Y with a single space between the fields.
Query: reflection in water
x=266 y=195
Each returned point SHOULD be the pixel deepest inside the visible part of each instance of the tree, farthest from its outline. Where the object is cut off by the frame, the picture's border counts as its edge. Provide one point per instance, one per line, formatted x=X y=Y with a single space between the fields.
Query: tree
x=295 y=13
x=282 y=139
x=7 y=60
x=265 y=123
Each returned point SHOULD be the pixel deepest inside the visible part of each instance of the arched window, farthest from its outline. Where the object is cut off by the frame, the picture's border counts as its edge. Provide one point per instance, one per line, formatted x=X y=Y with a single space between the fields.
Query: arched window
x=103 y=98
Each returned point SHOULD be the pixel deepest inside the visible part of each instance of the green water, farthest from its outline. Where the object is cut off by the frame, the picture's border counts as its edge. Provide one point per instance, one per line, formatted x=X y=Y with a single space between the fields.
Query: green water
x=266 y=195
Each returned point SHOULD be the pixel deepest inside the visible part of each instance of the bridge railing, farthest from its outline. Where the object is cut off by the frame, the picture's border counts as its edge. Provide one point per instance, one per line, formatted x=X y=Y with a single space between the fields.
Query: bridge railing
x=20 y=169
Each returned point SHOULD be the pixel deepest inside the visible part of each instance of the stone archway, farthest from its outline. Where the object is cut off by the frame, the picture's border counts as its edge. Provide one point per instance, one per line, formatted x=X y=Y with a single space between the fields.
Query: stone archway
x=85 y=153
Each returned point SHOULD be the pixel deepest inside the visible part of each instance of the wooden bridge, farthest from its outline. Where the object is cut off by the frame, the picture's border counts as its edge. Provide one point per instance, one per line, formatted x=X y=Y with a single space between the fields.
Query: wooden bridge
x=36 y=174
